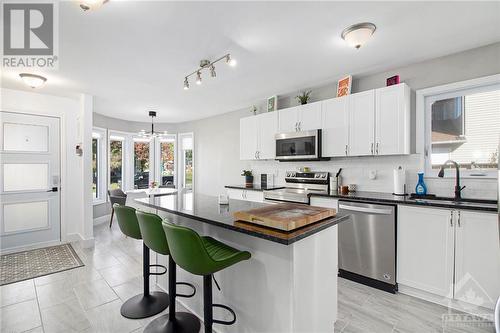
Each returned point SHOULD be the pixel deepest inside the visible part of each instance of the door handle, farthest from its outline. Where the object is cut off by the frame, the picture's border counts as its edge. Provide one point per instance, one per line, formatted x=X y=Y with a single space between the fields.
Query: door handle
x=54 y=189
x=366 y=210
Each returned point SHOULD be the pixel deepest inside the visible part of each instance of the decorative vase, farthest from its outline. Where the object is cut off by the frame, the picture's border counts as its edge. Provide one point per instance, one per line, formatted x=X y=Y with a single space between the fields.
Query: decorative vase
x=248 y=181
x=421 y=188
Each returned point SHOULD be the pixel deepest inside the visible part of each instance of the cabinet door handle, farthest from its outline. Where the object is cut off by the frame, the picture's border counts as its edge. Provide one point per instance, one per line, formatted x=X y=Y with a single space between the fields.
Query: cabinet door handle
x=459 y=219
x=258 y=155
x=345 y=150
x=451 y=218
x=376 y=149
x=300 y=125
x=371 y=149
x=296 y=126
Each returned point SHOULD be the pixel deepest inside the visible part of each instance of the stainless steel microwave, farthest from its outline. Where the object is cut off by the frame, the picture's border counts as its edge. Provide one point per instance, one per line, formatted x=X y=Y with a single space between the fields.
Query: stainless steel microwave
x=299 y=146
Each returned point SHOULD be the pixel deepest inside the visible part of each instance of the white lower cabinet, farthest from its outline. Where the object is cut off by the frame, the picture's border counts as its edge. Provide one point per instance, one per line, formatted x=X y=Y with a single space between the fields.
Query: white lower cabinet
x=249 y=195
x=477 y=259
x=450 y=253
x=425 y=249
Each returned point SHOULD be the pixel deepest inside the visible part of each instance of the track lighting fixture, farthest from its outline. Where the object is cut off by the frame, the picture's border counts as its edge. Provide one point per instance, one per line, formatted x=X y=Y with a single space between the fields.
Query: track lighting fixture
x=210 y=65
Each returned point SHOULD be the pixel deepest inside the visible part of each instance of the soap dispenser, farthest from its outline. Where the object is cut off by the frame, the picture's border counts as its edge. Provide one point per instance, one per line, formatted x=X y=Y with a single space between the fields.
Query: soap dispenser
x=421 y=188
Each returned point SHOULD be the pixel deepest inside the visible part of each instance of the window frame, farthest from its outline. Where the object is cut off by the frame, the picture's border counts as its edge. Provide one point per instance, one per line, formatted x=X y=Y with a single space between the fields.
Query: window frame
x=101 y=158
x=124 y=138
x=152 y=159
x=157 y=150
x=424 y=100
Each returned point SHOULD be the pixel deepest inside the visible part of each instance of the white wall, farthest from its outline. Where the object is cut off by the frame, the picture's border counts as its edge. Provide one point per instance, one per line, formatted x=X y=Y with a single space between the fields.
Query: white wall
x=76 y=120
x=217 y=138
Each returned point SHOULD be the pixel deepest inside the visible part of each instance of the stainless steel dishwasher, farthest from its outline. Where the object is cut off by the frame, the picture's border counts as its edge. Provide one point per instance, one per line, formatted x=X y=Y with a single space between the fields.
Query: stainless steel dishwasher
x=367 y=245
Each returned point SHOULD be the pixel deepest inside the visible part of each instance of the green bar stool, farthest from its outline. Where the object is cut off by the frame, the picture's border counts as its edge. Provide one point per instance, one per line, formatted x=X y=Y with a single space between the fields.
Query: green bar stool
x=149 y=303
x=178 y=322
x=203 y=256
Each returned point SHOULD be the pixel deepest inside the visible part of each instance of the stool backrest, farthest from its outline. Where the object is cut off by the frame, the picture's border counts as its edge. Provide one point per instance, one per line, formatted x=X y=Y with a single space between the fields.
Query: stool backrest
x=152 y=232
x=127 y=221
x=186 y=247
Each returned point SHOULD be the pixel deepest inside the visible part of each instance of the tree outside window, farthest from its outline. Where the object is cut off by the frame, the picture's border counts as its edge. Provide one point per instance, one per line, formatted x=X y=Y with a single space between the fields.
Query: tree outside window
x=167 y=163
x=141 y=165
x=116 y=164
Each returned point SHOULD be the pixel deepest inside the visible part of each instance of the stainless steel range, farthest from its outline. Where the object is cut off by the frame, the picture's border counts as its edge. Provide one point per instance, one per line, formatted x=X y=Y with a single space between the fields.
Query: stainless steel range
x=299 y=185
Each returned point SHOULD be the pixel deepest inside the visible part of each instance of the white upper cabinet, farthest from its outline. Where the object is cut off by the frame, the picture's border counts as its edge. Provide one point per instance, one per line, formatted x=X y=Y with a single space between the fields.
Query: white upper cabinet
x=425 y=249
x=248 y=138
x=257 y=136
x=362 y=123
x=477 y=258
x=310 y=117
x=300 y=118
x=288 y=120
x=392 y=120
x=268 y=127
x=335 y=127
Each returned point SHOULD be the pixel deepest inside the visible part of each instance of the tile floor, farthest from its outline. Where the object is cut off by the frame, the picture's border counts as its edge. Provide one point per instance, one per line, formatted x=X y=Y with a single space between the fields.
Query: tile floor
x=88 y=299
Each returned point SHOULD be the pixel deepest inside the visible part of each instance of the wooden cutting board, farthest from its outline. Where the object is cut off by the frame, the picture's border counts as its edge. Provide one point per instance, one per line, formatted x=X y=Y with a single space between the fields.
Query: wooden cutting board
x=286 y=216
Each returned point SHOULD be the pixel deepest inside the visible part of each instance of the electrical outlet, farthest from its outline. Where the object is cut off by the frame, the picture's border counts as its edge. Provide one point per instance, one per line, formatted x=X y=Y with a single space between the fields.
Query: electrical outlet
x=372 y=174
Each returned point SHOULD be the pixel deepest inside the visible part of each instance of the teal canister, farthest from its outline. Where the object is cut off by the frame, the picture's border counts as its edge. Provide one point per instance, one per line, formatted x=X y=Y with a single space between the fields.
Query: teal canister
x=421 y=188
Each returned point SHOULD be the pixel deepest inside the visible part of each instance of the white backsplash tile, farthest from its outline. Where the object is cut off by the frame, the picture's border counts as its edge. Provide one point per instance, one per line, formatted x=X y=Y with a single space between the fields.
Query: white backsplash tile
x=356 y=170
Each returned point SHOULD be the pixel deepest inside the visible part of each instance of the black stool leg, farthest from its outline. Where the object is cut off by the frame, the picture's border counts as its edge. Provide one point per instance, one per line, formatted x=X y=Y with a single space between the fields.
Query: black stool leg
x=207 y=303
x=149 y=303
x=174 y=322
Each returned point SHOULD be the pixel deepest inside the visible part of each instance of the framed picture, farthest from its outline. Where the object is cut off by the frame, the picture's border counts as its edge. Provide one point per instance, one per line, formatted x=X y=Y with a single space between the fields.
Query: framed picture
x=344 y=86
x=272 y=103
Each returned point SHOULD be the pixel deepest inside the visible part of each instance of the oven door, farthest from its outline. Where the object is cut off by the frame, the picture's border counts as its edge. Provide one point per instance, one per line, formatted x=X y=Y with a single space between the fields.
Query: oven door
x=298 y=145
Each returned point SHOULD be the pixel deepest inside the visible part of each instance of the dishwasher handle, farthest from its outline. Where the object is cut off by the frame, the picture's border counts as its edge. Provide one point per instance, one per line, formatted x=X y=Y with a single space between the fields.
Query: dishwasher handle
x=366 y=209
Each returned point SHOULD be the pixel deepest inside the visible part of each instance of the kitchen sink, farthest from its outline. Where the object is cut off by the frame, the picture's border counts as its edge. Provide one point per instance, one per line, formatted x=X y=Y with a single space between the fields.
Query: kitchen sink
x=451 y=200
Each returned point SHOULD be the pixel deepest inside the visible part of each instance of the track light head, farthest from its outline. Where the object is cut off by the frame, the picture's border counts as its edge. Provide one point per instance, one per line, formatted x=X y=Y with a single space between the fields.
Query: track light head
x=186 y=84
x=212 y=71
x=198 y=78
x=230 y=61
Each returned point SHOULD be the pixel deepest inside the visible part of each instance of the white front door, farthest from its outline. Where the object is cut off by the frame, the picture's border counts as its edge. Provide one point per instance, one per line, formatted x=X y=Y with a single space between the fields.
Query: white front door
x=29 y=181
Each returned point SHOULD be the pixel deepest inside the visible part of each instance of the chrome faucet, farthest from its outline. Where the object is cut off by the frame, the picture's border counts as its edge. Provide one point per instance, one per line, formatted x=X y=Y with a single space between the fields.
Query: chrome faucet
x=458 y=189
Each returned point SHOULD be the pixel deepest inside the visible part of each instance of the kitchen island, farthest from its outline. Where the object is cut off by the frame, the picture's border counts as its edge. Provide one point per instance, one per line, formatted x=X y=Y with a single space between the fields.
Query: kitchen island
x=289 y=284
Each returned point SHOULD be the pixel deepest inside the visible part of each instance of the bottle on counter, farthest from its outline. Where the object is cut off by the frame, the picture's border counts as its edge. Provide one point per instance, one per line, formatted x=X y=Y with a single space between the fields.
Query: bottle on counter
x=421 y=188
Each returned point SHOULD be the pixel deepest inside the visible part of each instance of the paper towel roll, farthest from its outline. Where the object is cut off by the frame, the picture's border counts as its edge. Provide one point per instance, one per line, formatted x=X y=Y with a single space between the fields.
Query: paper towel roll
x=399 y=181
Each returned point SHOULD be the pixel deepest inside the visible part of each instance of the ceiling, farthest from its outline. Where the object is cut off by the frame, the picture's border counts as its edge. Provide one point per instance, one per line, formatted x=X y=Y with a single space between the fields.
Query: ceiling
x=133 y=55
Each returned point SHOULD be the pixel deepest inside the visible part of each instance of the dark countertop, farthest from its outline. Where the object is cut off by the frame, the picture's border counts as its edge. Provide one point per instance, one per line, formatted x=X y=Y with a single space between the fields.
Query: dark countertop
x=255 y=187
x=405 y=200
x=206 y=209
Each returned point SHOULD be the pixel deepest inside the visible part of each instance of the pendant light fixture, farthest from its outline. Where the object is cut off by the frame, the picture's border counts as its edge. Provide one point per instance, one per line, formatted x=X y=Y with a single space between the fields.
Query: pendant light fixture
x=33 y=80
x=152 y=134
x=210 y=66
x=91 y=4
x=358 y=34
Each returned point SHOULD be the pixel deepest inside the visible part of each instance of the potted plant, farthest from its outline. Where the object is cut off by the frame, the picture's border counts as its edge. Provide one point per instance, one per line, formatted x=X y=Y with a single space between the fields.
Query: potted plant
x=303 y=98
x=248 y=177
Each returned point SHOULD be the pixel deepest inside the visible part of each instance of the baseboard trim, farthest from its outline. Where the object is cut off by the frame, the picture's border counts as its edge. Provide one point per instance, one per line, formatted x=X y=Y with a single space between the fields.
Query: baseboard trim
x=102 y=219
x=31 y=247
x=479 y=311
x=85 y=243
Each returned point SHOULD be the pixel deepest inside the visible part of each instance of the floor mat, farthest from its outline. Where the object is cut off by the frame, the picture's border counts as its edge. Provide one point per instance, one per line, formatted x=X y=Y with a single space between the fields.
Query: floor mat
x=20 y=266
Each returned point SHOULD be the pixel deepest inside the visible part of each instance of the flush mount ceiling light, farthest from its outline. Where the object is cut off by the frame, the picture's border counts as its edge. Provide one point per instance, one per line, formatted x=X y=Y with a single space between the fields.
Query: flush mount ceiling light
x=358 y=34
x=33 y=80
x=152 y=134
x=92 y=4
x=210 y=66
